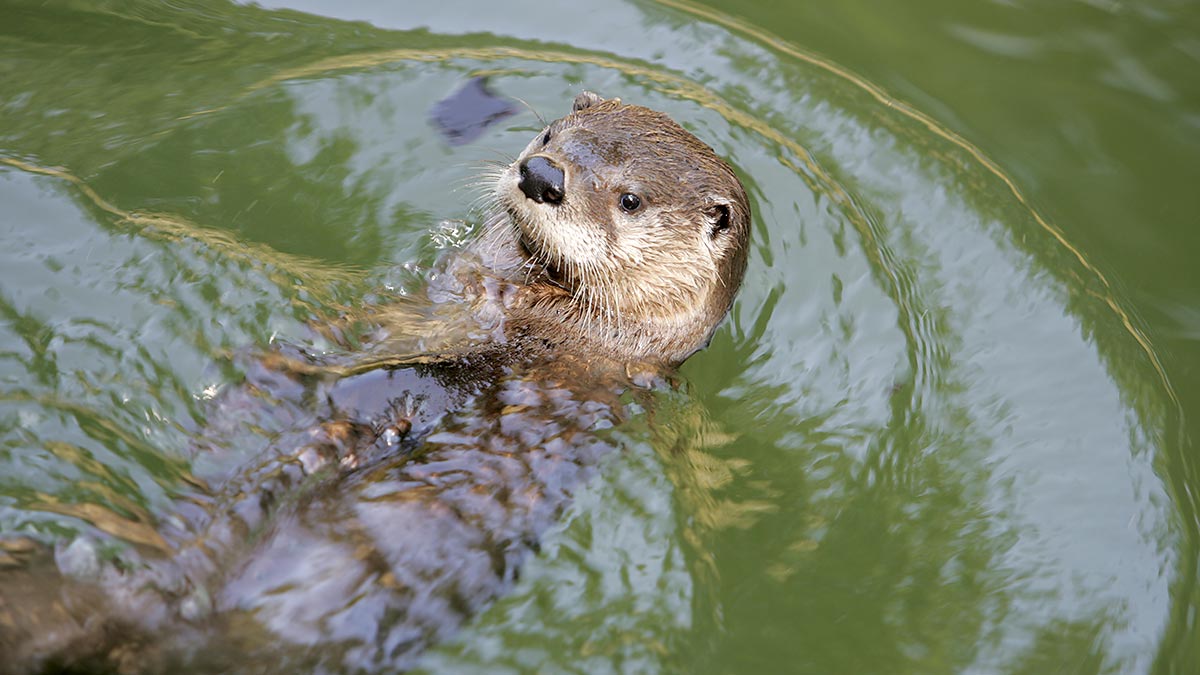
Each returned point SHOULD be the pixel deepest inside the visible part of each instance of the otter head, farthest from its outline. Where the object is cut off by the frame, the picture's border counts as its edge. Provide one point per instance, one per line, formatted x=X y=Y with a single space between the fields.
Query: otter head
x=636 y=229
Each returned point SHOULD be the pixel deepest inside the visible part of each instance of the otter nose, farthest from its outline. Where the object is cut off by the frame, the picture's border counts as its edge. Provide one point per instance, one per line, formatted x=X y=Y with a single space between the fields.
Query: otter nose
x=541 y=180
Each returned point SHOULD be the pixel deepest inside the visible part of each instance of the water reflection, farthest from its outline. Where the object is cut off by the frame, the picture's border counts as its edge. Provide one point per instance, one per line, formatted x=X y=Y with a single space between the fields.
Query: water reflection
x=933 y=430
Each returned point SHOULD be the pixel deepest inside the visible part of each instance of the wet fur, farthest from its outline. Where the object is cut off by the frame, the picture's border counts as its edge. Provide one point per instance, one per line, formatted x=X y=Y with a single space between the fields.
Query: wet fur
x=566 y=302
x=649 y=286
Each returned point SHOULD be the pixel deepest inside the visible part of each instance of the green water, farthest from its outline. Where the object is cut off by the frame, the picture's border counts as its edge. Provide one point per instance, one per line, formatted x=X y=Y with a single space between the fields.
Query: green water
x=949 y=418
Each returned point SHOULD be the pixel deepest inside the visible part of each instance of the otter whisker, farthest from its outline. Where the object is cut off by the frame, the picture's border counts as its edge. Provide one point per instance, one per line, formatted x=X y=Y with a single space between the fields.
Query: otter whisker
x=531 y=109
x=505 y=158
x=484 y=198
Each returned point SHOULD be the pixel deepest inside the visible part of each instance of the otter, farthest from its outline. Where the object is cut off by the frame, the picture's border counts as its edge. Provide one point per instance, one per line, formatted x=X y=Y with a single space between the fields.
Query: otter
x=399 y=490
x=635 y=230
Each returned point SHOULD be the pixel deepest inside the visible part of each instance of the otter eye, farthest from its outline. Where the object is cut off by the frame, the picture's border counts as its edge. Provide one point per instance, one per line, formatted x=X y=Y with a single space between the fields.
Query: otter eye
x=546 y=137
x=630 y=202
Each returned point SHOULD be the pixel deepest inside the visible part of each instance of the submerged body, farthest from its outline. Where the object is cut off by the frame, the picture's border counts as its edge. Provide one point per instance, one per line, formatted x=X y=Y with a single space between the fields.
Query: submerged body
x=396 y=499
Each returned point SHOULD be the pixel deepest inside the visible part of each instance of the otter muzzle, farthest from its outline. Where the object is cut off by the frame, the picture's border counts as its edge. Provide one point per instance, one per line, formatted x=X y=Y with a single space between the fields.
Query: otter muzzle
x=542 y=180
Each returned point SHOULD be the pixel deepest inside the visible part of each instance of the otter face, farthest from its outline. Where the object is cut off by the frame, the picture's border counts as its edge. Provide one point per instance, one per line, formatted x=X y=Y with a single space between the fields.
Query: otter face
x=638 y=220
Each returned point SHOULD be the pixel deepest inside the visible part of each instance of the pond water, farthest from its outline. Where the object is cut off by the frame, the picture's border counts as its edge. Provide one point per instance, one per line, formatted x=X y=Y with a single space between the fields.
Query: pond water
x=946 y=428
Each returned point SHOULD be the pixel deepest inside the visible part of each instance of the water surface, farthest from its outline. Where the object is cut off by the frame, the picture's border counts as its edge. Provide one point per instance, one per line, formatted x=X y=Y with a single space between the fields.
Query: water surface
x=942 y=431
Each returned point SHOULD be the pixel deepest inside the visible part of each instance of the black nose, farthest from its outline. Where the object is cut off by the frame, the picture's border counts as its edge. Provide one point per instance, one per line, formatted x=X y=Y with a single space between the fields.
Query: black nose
x=541 y=180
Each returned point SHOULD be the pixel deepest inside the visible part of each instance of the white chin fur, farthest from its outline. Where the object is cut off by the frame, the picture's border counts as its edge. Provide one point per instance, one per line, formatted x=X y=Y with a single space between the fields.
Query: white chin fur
x=558 y=237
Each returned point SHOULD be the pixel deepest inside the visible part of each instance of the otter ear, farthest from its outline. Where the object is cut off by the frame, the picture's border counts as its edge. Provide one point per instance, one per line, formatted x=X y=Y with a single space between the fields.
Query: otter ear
x=584 y=100
x=718 y=218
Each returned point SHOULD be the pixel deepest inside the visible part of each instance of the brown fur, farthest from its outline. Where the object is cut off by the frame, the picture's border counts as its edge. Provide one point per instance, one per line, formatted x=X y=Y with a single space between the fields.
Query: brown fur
x=648 y=286
x=578 y=299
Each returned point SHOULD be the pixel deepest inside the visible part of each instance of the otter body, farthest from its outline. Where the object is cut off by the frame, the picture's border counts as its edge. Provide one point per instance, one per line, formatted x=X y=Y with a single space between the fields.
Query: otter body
x=399 y=494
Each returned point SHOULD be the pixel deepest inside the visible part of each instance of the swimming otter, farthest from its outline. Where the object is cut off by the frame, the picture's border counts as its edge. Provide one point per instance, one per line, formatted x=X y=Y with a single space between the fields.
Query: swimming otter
x=399 y=493
x=636 y=231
